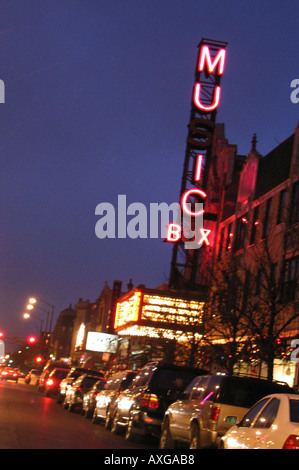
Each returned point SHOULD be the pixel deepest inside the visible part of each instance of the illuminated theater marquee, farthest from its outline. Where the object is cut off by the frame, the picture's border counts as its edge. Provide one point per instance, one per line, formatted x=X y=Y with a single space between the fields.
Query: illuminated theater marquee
x=210 y=67
x=153 y=314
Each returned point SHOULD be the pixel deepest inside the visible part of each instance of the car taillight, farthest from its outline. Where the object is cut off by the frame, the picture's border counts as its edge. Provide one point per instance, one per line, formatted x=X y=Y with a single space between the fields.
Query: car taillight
x=214 y=413
x=292 y=442
x=150 y=400
x=50 y=382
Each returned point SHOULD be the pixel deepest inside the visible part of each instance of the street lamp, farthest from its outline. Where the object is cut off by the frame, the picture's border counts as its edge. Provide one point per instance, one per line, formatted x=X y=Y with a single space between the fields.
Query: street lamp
x=33 y=300
x=27 y=315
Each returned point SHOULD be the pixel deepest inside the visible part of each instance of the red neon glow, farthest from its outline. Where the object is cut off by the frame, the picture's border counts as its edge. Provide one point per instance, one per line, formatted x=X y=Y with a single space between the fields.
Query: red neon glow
x=204 y=239
x=185 y=196
x=198 y=167
x=196 y=98
x=205 y=57
x=173 y=233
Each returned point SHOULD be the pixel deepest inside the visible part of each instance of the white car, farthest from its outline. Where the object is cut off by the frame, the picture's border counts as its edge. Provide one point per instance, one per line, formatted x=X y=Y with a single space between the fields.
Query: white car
x=272 y=423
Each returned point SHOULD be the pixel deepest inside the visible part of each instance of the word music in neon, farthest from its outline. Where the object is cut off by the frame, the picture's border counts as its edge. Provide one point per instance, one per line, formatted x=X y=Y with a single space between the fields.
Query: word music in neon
x=209 y=66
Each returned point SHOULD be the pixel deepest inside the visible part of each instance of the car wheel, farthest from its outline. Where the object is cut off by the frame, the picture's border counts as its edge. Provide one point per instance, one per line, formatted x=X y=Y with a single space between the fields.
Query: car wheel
x=115 y=427
x=59 y=399
x=166 y=441
x=71 y=407
x=221 y=445
x=95 y=418
x=195 y=437
x=108 y=419
x=130 y=434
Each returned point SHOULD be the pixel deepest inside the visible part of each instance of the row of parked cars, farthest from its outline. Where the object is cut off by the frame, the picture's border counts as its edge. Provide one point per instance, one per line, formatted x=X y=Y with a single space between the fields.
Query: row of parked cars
x=182 y=406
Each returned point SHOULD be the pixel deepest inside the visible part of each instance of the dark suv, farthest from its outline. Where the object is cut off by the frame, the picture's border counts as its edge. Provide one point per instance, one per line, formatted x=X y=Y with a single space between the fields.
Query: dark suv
x=140 y=408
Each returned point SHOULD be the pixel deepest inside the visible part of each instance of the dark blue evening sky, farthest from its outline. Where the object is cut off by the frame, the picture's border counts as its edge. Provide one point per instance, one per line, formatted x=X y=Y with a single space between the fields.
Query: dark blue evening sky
x=97 y=102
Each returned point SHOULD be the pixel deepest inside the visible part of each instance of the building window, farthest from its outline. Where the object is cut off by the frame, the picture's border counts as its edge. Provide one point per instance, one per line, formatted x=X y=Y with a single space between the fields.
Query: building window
x=221 y=242
x=281 y=206
x=254 y=225
x=294 y=212
x=266 y=224
x=229 y=236
x=240 y=233
x=290 y=279
x=258 y=283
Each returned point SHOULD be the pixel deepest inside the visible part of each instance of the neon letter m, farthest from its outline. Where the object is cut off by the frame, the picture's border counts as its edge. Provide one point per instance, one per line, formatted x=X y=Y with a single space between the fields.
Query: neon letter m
x=205 y=57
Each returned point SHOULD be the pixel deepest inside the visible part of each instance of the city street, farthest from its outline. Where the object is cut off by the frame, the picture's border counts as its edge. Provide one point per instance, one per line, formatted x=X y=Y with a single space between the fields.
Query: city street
x=28 y=420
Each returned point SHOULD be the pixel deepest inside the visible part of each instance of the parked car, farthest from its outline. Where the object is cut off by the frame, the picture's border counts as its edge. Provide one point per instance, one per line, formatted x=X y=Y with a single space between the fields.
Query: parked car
x=74 y=394
x=209 y=406
x=73 y=374
x=51 y=365
x=52 y=383
x=10 y=373
x=89 y=398
x=105 y=401
x=272 y=423
x=140 y=408
x=33 y=376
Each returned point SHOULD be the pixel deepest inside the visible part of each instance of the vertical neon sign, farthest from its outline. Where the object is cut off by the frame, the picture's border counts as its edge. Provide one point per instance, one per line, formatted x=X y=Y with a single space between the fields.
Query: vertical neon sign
x=206 y=96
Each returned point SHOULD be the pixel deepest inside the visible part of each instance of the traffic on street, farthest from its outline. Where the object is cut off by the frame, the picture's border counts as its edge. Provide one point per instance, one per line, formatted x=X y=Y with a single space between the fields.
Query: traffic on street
x=161 y=406
x=31 y=420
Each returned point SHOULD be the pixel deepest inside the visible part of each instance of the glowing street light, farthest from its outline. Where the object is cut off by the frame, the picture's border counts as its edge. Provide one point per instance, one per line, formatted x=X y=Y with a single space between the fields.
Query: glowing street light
x=33 y=300
x=27 y=315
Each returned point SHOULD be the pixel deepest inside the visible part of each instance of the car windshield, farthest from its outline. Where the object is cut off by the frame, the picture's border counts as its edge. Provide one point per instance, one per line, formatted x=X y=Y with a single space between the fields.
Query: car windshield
x=294 y=411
